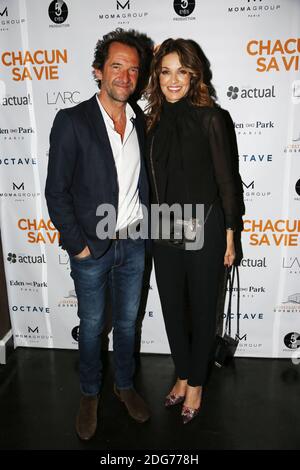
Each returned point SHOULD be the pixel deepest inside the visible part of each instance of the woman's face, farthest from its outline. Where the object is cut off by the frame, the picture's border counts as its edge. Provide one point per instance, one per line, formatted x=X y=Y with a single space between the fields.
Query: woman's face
x=174 y=79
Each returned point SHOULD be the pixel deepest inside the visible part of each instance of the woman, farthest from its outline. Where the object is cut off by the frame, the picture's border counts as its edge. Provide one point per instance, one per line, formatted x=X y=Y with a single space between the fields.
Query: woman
x=189 y=163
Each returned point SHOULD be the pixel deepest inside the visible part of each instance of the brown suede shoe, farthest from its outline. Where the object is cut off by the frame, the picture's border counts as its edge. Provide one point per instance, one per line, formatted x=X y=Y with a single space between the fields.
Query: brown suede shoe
x=135 y=405
x=86 y=421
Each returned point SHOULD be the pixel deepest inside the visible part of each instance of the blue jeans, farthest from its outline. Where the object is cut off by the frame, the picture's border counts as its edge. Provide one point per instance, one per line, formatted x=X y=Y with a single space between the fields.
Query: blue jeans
x=121 y=270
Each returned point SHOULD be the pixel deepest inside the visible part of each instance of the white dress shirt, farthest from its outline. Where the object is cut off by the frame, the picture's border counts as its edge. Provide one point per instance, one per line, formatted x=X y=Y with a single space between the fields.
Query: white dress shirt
x=128 y=164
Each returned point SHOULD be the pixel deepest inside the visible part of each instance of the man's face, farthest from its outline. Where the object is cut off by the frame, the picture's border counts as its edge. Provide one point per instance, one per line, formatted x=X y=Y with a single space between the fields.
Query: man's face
x=120 y=72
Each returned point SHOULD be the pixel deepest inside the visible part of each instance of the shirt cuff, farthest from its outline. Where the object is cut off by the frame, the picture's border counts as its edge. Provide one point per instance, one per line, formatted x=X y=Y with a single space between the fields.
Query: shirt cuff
x=230 y=222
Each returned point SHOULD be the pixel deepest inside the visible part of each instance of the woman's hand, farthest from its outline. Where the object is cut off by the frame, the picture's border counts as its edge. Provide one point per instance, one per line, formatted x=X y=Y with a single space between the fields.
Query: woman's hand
x=229 y=256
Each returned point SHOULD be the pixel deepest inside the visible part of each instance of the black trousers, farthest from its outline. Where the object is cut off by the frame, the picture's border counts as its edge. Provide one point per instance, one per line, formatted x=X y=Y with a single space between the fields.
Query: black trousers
x=191 y=337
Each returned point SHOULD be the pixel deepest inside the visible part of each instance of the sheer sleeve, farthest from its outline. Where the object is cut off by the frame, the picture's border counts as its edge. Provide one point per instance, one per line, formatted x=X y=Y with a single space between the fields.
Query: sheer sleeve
x=223 y=168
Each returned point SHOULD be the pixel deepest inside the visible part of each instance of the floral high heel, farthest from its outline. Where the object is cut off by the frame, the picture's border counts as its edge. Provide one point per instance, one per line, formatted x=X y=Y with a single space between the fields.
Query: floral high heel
x=173 y=399
x=189 y=413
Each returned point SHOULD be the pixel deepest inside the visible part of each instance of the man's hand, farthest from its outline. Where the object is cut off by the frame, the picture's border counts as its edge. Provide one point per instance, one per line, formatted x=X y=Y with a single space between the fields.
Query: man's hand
x=84 y=253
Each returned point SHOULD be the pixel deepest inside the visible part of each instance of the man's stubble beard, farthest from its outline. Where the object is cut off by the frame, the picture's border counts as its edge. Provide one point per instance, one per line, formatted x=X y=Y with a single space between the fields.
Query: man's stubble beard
x=117 y=98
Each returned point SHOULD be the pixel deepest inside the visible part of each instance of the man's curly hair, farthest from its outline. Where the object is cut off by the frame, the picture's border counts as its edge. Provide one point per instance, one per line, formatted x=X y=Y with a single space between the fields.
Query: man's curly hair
x=141 y=42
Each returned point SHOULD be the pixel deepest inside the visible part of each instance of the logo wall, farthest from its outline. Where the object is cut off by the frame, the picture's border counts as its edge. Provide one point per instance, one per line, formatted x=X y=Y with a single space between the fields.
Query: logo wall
x=9 y=20
x=124 y=12
x=16 y=100
x=254 y=8
x=58 y=12
x=38 y=231
x=39 y=64
x=184 y=8
x=253 y=47
x=237 y=92
x=275 y=55
x=278 y=233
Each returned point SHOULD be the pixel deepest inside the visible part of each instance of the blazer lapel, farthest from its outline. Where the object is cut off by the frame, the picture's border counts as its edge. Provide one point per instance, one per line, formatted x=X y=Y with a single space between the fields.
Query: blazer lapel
x=143 y=186
x=140 y=133
x=95 y=118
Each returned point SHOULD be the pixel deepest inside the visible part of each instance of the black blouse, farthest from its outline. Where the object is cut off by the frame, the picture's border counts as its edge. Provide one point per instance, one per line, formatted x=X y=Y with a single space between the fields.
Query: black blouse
x=191 y=158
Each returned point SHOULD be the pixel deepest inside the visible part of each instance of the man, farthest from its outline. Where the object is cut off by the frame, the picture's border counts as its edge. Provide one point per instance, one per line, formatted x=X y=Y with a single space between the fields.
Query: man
x=95 y=158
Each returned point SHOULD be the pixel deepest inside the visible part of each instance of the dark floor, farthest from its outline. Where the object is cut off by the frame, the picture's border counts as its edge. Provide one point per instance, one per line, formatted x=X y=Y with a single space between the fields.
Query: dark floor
x=251 y=404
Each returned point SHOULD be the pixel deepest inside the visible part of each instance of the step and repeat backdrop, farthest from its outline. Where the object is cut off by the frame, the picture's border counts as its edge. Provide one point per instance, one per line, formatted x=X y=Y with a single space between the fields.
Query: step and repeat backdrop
x=46 y=51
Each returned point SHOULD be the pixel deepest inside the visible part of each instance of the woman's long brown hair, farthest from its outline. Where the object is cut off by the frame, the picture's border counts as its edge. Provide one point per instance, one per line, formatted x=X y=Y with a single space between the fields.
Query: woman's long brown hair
x=198 y=93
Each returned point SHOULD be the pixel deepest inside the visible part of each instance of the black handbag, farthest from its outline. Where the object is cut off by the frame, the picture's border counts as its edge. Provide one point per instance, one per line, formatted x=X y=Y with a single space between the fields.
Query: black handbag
x=181 y=233
x=225 y=345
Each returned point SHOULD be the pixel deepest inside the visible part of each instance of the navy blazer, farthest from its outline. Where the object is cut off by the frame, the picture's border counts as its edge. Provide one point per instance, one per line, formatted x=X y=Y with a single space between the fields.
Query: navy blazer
x=82 y=175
